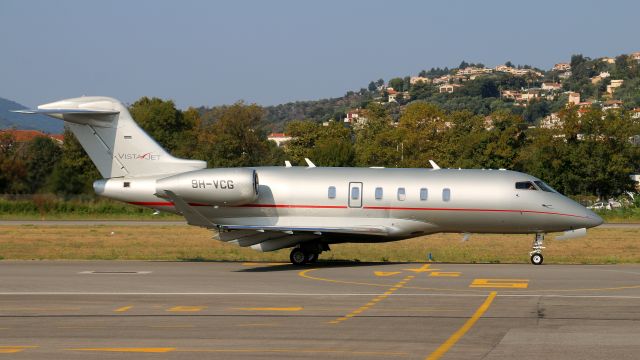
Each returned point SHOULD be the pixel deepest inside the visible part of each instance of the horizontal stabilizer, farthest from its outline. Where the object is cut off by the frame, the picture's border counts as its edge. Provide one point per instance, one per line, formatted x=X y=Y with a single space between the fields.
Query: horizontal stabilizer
x=66 y=111
x=572 y=234
x=93 y=117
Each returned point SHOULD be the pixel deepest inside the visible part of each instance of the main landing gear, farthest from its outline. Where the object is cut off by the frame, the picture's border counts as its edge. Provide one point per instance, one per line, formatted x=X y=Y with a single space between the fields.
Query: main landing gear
x=536 y=252
x=307 y=253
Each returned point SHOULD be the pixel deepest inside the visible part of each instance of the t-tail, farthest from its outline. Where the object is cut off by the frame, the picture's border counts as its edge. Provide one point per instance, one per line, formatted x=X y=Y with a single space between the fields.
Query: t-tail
x=115 y=143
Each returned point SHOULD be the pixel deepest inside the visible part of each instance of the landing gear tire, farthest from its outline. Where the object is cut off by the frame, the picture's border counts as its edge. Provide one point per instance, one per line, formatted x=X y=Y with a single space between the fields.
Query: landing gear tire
x=312 y=258
x=298 y=257
x=536 y=249
x=537 y=259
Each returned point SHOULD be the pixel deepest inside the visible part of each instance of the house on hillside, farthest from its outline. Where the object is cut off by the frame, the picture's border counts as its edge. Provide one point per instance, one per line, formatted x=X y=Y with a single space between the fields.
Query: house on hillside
x=635 y=55
x=355 y=118
x=551 y=86
x=551 y=121
x=614 y=85
x=603 y=75
x=574 y=98
x=562 y=67
x=612 y=105
x=448 y=88
x=419 y=79
x=510 y=94
x=22 y=136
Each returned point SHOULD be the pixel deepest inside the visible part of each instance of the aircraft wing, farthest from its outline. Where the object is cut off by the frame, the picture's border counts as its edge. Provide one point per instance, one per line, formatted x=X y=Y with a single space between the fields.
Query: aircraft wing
x=261 y=236
x=276 y=236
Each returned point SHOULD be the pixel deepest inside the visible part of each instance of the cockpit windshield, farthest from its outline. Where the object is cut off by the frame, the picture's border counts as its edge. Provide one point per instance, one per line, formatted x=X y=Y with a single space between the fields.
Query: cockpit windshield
x=525 y=185
x=544 y=187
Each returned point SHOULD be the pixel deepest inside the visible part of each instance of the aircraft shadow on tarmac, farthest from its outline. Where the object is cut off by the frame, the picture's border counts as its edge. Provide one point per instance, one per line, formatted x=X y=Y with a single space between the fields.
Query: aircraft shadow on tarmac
x=268 y=267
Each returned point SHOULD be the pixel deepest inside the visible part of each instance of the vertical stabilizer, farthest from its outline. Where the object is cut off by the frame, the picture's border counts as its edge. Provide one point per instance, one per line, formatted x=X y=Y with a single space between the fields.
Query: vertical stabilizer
x=115 y=143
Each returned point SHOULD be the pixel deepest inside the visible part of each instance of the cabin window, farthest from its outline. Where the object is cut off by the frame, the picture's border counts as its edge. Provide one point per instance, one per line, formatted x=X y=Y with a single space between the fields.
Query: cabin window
x=126 y=184
x=424 y=194
x=446 y=194
x=525 y=185
x=402 y=194
x=378 y=193
x=355 y=193
x=332 y=192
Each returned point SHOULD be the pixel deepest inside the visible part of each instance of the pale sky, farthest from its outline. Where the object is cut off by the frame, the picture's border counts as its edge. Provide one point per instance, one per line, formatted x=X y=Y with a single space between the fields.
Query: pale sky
x=270 y=52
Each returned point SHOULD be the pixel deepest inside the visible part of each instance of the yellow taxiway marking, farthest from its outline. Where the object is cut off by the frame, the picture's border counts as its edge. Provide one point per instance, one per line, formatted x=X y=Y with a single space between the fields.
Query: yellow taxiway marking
x=12 y=349
x=445 y=273
x=298 y=308
x=374 y=301
x=123 y=309
x=133 y=350
x=186 y=308
x=306 y=274
x=453 y=339
x=386 y=273
x=421 y=269
x=500 y=283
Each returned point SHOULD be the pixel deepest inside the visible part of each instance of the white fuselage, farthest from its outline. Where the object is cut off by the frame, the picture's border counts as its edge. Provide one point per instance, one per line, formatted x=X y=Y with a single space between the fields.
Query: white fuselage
x=473 y=201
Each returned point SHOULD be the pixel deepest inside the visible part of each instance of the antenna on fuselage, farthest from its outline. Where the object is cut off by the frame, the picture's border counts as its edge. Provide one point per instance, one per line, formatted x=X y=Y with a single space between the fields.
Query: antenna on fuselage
x=311 y=165
x=434 y=165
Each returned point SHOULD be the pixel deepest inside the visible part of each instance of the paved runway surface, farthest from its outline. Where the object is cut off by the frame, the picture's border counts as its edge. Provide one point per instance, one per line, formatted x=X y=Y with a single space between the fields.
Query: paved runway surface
x=172 y=310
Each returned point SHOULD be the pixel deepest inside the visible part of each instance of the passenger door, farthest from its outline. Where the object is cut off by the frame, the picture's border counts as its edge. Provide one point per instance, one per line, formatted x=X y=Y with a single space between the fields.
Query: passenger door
x=355 y=194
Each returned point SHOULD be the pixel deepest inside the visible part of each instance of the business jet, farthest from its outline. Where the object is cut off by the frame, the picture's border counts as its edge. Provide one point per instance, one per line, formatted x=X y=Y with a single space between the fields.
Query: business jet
x=309 y=208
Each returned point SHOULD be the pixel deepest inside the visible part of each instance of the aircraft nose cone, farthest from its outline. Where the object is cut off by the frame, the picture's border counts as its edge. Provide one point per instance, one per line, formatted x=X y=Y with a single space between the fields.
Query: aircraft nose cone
x=593 y=219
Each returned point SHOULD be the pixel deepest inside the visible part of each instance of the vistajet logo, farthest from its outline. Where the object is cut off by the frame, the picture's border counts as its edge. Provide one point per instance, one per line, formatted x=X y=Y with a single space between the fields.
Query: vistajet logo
x=134 y=156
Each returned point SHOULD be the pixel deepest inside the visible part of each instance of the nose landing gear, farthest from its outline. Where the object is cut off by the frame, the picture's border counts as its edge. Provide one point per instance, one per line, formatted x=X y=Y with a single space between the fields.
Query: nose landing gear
x=536 y=252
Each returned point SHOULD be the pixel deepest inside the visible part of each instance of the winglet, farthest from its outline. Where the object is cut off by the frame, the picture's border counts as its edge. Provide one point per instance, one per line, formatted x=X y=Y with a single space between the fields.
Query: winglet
x=434 y=165
x=287 y=163
x=311 y=165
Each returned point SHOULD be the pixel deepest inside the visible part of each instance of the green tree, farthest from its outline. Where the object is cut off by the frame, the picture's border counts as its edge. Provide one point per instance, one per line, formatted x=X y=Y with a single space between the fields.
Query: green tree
x=235 y=138
x=162 y=121
x=421 y=127
x=376 y=143
x=13 y=170
x=588 y=154
x=396 y=83
x=73 y=173
x=40 y=157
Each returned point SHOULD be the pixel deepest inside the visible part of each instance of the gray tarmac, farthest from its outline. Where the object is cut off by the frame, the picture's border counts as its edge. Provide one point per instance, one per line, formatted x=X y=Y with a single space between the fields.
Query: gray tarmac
x=220 y=310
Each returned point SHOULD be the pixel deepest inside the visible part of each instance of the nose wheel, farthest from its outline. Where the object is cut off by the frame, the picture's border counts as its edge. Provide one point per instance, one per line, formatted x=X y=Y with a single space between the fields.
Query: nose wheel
x=536 y=249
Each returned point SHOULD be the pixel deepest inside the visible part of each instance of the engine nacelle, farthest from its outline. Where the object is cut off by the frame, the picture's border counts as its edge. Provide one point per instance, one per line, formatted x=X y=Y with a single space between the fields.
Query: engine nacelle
x=226 y=187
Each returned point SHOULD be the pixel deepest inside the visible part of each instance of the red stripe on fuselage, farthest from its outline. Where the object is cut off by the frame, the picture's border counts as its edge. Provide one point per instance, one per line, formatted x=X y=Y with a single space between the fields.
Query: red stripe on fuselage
x=286 y=206
x=471 y=210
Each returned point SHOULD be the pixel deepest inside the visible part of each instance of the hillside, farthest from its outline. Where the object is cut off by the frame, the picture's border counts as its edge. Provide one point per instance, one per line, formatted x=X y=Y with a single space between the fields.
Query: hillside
x=26 y=122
